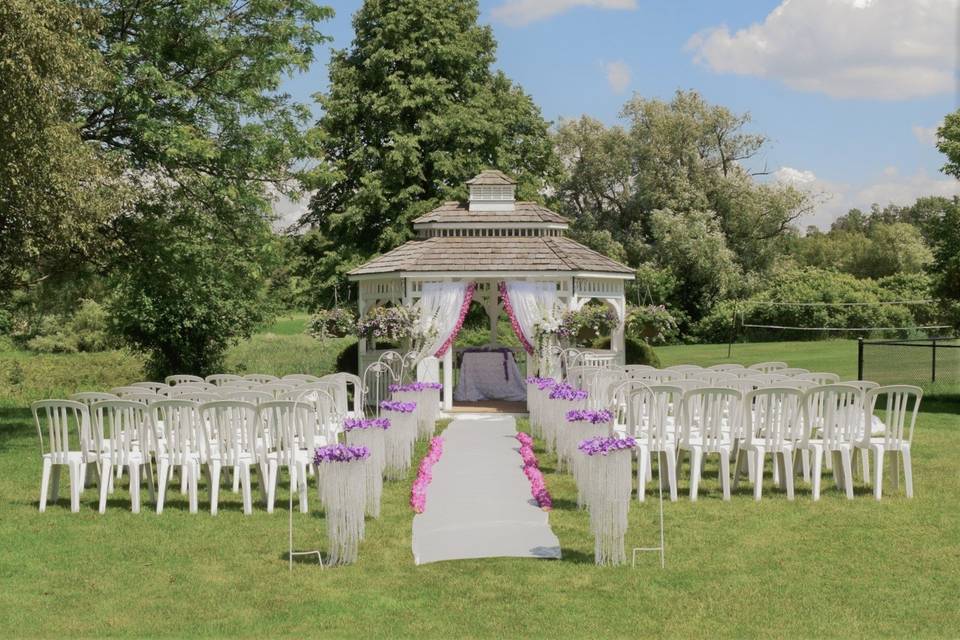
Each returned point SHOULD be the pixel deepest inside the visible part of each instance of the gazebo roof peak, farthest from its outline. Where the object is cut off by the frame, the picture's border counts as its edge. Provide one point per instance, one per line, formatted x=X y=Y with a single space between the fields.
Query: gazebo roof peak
x=491 y=176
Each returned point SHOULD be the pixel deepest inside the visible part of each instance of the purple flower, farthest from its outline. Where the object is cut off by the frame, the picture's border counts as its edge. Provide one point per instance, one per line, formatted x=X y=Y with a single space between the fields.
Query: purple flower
x=589 y=415
x=564 y=391
x=603 y=445
x=398 y=406
x=415 y=386
x=349 y=424
x=340 y=453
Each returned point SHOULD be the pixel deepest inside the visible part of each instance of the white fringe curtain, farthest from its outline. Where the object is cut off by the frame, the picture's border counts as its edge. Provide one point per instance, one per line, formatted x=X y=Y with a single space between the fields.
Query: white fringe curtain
x=579 y=431
x=428 y=406
x=400 y=440
x=343 y=494
x=566 y=438
x=373 y=439
x=607 y=480
x=439 y=306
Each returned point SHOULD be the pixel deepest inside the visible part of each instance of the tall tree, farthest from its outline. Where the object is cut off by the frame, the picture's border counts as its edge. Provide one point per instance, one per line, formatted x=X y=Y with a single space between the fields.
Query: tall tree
x=413 y=110
x=191 y=105
x=55 y=189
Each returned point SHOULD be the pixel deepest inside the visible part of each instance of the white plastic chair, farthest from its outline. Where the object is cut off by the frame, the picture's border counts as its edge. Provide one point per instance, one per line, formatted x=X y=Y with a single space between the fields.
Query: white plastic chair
x=59 y=418
x=819 y=377
x=900 y=406
x=836 y=411
x=277 y=389
x=249 y=395
x=261 y=378
x=768 y=367
x=792 y=371
x=299 y=378
x=194 y=395
x=653 y=413
x=348 y=380
x=219 y=378
x=123 y=432
x=123 y=392
x=711 y=377
x=726 y=367
x=184 y=439
x=90 y=397
x=232 y=428
x=685 y=370
x=290 y=439
x=707 y=417
x=148 y=397
x=772 y=426
x=239 y=384
x=181 y=378
x=156 y=387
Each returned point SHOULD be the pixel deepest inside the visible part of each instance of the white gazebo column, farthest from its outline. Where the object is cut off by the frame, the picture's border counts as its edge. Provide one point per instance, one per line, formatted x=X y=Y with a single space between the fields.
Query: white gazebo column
x=448 y=379
x=617 y=340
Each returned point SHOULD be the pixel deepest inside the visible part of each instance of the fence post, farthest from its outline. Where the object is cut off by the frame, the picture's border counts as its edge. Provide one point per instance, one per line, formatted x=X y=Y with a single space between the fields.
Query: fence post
x=860 y=358
x=733 y=332
x=933 y=364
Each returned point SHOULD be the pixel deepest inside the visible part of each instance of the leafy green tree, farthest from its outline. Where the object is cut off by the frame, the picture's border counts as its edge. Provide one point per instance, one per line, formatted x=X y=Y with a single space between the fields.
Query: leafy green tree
x=190 y=105
x=55 y=189
x=948 y=142
x=413 y=110
x=945 y=268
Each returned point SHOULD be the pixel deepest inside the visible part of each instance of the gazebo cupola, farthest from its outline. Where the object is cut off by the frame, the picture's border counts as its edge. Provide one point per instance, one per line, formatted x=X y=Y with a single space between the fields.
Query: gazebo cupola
x=492 y=191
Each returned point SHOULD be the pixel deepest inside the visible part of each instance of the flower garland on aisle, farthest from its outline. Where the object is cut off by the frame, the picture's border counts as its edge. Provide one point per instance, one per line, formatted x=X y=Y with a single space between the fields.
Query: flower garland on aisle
x=464 y=308
x=531 y=469
x=582 y=424
x=514 y=323
x=400 y=438
x=608 y=484
x=426 y=395
x=370 y=433
x=341 y=470
x=418 y=492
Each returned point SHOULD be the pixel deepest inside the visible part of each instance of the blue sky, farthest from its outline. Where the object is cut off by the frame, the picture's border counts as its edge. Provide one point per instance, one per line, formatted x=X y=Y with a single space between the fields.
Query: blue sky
x=848 y=91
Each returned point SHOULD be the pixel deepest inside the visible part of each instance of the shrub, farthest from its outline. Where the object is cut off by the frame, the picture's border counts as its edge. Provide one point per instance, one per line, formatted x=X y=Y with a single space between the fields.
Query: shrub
x=87 y=331
x=635 y=351
x=348 y=361
x=651 y=323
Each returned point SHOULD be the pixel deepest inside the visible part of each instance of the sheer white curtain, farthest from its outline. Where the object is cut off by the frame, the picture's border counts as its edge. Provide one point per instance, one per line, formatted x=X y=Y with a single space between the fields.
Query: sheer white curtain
x=534 y=304
x=439 y=305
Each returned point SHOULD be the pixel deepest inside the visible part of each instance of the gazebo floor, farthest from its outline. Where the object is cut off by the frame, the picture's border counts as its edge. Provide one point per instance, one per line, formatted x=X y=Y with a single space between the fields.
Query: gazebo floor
x=489 y=406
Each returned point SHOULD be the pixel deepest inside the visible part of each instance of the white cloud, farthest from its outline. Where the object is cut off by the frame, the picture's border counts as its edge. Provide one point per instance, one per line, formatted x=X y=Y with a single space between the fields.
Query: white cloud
x=885 y=49
x=518 y=13
x=618 y=75
x=926 y=135
x=287 y=212
x=890 y=186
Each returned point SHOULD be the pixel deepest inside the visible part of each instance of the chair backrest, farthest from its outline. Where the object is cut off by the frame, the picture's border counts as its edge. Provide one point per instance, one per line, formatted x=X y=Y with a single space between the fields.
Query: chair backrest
x=231 y=425
x=247 y=395
x=836 y=410
x=768 y=367
x=665 y=376
x=571 y=357
x=298 y=378
x=152 y=386
x=793 y=383
x=683 y=368
x=125 y=425
x=394 y=360
x=55 y=417
x=603 y=360
x=634 y=370
x=600 y=386
x=180 y=378
x=219 y=378
x=792 y=371
x=765 y=379
x=898 y=411
x=348 y=380
x=710 y=415
x=578 y=376
x=726 y=367
x=774 y=416
x=123 y=392
x=89 y=397
x=194 y=395
x=277 y=388
x=183 y=432
x=289 y=426
x=147 y=397
x=239 y=384
x=711 y=377
x=322 y=397
x=261 y=378
x=377 y=378
x=863 y=385
x=653 y=415
x=819 y=377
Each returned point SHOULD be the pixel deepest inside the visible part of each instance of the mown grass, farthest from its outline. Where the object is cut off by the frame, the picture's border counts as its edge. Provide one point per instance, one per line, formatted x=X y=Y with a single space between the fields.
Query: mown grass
x=776 y=568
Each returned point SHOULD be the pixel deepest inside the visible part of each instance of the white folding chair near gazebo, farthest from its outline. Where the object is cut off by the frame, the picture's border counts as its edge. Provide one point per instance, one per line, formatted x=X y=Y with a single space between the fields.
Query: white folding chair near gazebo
x=506 y=255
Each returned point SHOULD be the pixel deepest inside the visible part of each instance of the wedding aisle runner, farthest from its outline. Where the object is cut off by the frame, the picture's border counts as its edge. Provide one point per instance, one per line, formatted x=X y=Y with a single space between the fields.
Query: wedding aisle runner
x=479 y=503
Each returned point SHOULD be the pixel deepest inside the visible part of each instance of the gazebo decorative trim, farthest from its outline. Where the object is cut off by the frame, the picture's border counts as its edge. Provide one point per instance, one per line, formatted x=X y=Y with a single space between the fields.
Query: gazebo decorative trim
x=488 y=240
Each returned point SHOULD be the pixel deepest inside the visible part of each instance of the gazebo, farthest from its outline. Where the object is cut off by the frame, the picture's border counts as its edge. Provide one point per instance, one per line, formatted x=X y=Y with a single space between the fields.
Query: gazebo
x=501 y=253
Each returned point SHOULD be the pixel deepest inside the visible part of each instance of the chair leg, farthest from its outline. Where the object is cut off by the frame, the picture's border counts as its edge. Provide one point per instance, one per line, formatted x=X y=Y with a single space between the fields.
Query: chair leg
x=725 y=474
x=805 y=464
x=193 y=470
x=106 y=482
x=245 y=482
x=643 y=462
x=76 y=484
x=45 y=483
x=135 y=488
x=302 y=488
x=788 y=474
x=262 y=478
x=236 y=478
x=737 y=468
x=907 y=472
x=271 y=484
x=878 y=473
x=671 y=460
x=816 y=473
x=696 y=460
x=164 y=477
x=151 y=490
x=214 y=487
x=846 y=457
x=758 y=460
x=55 y=488
x=865 y=466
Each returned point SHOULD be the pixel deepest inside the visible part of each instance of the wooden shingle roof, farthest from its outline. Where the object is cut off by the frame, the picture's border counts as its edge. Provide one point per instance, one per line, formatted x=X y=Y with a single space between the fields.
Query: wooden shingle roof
x=458 y=213
x=491 y=176
x=473 y=254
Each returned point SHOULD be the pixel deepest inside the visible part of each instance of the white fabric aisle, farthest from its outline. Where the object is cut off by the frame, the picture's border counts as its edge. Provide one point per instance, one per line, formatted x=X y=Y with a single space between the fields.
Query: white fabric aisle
x=479 y=503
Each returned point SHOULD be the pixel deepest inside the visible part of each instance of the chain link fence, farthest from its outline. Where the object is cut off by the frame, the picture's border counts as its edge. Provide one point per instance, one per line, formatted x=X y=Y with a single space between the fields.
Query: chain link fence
x=927 y=361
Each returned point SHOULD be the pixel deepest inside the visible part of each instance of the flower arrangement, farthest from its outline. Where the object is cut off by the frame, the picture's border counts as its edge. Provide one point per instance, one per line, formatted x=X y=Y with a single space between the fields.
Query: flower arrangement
x=564 y=391
x=603 y=445
x=652 y=323
x=349 y=424
x=531 y=469
x=398 y=406
x=585 y=324
x=340 y=453
x=332 y=323
x=592 y=416
x=387 y=323
x=418 y=492
x=416 y=386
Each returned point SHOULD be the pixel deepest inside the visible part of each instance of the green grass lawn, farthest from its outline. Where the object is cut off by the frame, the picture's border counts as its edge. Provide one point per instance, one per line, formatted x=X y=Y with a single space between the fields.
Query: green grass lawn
x=834 y=568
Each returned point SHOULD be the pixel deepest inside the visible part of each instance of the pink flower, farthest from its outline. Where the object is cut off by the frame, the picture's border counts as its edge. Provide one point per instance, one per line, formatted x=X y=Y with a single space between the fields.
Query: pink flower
x=418 y=492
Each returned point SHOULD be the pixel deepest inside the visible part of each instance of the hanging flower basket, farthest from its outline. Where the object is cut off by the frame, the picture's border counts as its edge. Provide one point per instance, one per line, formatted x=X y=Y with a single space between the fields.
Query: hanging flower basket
x=332 y=323
x=587 y=324
x=391 y=324
x=652 y=323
